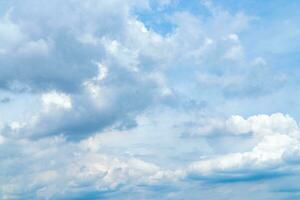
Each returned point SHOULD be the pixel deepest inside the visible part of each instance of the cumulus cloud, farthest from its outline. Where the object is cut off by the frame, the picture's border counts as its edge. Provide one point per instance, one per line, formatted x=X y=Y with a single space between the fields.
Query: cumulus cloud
x=278 y=136
x=267 y=154
x=256 y=125
x=113 y=69
x=263 y=124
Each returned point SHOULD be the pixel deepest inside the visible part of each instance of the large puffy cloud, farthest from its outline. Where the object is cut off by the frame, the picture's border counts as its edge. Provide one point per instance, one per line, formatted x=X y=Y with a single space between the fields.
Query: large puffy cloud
x=60 y=55
x=45 y=48
x=257 y=125
x=102 y=103
x=277 y=145
x=264 y=125
x=112 y=66
x=72 y=42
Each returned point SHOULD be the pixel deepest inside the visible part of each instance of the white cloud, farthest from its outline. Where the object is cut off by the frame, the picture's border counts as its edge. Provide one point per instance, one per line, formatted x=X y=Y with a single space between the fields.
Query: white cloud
x=233 y=37
x=259 y=62
x=56 y=99
x=256 y=125
x=278 y=136
x=267 y=154
x=261 y=125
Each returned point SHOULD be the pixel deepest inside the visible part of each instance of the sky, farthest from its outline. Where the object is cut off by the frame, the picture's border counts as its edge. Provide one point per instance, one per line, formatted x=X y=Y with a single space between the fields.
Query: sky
x=149 y=99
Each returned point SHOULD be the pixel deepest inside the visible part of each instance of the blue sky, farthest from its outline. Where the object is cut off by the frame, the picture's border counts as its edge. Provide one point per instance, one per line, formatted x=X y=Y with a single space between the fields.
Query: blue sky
x=149 y=99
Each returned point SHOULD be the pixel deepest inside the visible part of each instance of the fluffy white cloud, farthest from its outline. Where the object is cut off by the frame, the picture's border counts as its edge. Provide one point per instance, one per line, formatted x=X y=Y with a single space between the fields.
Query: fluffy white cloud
x=267 y=154
x=278 y=139
x=112 y=65
x=56 y=99
x=256 y=125
x=261 y=125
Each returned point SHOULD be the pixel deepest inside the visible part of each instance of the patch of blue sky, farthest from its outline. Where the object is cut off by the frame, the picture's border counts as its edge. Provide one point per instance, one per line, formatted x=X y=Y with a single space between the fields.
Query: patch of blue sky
x=159 y=17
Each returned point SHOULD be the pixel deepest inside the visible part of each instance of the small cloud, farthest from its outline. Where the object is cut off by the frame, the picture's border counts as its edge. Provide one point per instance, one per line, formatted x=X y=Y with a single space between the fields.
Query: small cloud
x=234 y=53
x=259 y=62
x=59 y=100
